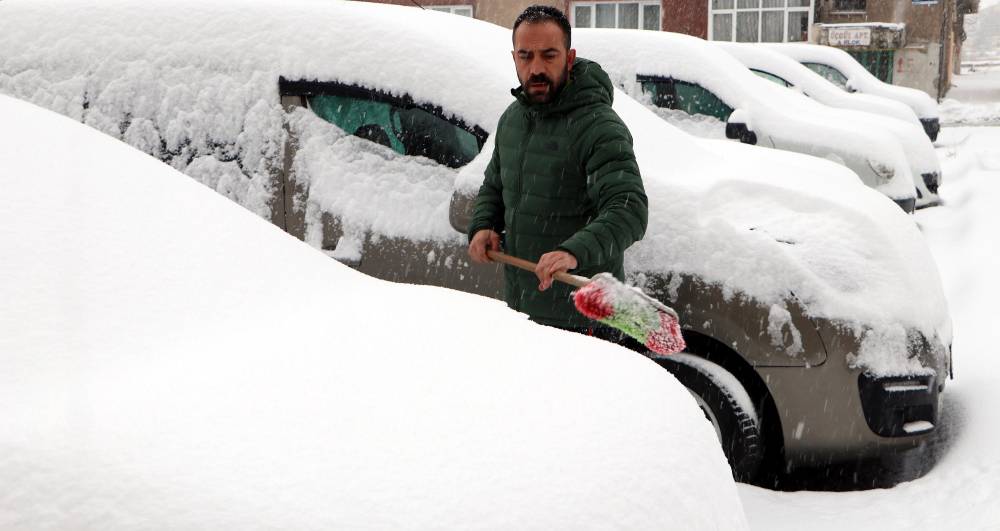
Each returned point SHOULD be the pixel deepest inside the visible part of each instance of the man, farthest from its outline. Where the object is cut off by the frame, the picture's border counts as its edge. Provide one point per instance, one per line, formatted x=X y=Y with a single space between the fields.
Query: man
x=563 y=186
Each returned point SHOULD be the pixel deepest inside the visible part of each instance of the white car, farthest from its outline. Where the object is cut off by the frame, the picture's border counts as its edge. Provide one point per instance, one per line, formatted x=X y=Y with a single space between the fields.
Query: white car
x=841 y=69
x=898 y=118
x=802 y=292
x=680 y=72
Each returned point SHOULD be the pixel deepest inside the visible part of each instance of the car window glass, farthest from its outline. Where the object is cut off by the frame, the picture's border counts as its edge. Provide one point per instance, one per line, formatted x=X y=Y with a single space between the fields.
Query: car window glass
x=684 y=96
x=661 y=92
x=406 y=129
x=693 y=99
x=771 y=77
x=829 y=73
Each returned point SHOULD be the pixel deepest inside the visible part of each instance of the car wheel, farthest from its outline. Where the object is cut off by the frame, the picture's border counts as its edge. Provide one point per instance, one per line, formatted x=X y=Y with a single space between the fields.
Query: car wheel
x=726 y=405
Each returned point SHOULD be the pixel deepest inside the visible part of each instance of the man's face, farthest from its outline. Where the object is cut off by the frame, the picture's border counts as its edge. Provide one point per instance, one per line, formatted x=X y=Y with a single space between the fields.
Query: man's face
x=541 y=59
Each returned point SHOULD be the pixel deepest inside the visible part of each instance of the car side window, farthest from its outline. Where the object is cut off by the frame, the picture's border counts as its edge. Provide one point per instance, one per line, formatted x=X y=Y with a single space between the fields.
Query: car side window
x=771 y=77
x=397 y=123
x=688 y=97
x=829 y=73
x=694 y=99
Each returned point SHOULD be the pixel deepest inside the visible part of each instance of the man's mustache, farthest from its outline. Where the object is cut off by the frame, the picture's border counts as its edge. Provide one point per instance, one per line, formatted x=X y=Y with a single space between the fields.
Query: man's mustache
x=539 y=78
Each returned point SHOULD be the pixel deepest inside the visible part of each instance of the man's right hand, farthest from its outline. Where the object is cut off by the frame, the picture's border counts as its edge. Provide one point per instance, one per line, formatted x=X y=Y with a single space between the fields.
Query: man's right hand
x=482 y=241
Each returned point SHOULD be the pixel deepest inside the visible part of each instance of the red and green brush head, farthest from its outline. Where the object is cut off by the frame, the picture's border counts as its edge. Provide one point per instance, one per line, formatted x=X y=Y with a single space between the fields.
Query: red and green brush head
x=611 y=302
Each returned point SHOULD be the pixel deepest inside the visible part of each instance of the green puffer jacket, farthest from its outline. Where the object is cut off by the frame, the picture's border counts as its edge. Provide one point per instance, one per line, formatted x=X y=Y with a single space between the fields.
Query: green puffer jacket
x=563 y=176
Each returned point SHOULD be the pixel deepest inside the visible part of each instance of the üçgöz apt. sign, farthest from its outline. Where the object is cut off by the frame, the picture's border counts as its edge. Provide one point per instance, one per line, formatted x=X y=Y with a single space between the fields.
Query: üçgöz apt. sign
x=850 y=36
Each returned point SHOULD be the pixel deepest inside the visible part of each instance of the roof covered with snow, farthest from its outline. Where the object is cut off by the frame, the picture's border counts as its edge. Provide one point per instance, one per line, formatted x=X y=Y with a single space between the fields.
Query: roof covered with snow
x=787 y=118
x=812 y=84
x=860 y=78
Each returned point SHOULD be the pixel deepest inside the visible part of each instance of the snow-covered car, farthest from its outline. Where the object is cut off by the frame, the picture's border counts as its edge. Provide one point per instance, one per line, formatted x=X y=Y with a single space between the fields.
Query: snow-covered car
x=899 y=118
x=172 y=361
x=842 y=70
x=680 y=73
x=816 y=325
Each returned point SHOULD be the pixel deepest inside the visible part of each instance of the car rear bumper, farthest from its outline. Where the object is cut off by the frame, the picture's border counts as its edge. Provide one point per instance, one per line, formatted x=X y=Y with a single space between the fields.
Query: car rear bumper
x=837 y=412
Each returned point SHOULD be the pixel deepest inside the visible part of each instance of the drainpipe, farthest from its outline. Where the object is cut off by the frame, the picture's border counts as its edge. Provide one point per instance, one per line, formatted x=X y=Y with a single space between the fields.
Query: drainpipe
x=942 y=82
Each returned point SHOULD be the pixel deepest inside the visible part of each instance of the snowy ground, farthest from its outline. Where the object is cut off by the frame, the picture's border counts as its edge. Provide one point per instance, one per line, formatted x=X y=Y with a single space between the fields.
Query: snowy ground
x=974 y=98
x=962 y=489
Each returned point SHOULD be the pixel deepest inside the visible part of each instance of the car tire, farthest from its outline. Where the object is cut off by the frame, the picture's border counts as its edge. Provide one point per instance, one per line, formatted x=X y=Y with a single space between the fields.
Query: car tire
x=726 y=405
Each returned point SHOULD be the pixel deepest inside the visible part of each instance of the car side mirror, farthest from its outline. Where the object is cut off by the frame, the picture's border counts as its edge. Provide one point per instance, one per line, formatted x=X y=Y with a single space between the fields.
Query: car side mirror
x=736 y=128
x=850 y=86
x=460 y=210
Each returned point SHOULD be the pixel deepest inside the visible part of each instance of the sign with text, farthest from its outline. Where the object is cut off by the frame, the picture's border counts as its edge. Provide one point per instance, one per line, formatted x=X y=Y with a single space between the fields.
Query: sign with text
x=850 y=36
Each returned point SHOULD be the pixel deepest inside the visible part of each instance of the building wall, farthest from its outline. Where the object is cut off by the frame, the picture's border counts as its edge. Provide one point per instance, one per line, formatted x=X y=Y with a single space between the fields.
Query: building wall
x=685 y=16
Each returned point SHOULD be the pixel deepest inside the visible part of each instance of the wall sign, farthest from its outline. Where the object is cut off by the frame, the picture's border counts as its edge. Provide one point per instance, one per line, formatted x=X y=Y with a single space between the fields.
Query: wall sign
x=850 y=36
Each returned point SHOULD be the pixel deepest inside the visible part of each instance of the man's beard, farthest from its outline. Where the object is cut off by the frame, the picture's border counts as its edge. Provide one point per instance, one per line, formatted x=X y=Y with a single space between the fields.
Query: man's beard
x=553 y=89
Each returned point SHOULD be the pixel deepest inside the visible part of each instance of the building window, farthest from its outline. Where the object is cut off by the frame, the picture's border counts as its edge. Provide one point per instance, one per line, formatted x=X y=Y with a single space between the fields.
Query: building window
x=849 y=6
x=760 y=20
x=631 y=15
x=465 y=11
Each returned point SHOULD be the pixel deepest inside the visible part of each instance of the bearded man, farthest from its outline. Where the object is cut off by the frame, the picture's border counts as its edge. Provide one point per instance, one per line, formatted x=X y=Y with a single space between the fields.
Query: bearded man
x=563 y=188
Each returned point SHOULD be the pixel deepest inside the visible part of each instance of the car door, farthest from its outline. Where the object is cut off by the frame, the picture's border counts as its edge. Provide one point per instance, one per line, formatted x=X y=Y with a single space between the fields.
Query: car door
x=379 y=200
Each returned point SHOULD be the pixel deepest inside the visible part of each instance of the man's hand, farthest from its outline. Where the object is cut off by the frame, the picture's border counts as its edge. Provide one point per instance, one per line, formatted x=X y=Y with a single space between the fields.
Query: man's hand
x=482 y=241
x=550 y=264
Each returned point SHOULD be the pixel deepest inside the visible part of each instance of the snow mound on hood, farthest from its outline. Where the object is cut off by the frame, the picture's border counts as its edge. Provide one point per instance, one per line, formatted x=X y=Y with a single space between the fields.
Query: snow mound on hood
x=170 y=360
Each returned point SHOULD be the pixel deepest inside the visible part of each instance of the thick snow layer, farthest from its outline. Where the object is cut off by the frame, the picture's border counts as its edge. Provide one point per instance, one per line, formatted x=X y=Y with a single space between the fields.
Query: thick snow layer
x=857 y=76
x=196 y=91
x=813 y=85
x=171 y=361
x=779 y=117
x=963 y=488
x=875 y=111
x=897 y=26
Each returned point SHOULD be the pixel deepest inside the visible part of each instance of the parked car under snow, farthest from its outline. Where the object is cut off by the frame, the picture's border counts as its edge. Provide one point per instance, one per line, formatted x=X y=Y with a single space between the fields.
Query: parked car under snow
x=814 y=315
x=684 y=73
x=898 y=118
x=171 y=356
x=842 y=70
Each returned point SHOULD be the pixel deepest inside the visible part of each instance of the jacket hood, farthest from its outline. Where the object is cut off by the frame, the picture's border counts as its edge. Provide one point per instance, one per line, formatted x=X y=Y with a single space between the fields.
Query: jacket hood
x=588 y=84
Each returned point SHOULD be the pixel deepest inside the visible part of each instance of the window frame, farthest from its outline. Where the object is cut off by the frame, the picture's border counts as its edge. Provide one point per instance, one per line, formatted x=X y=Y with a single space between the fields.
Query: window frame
x=764 y=74
x=785 y=9
x=306 y=88
x=451 y=8
x=838 y=11
x=672 y=83
x=593 y=12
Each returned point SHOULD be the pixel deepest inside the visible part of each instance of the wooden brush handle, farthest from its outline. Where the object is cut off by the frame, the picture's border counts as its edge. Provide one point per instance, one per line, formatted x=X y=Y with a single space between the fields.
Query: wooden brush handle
x=572 y=280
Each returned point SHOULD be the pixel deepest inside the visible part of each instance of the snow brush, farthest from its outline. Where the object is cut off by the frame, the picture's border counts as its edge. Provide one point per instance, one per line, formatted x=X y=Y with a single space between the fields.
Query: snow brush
x=607 y=300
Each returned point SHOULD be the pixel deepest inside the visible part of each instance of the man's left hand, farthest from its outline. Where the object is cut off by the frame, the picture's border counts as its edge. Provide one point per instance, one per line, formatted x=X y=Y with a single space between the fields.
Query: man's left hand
x=550 y=264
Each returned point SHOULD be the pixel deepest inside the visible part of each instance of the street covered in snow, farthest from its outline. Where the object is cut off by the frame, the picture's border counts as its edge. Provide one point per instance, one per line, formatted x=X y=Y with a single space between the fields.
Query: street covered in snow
x=178 y=353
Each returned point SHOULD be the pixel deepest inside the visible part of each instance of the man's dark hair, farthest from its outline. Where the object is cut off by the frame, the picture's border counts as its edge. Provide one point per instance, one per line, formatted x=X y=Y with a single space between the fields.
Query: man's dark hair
x=542 y=13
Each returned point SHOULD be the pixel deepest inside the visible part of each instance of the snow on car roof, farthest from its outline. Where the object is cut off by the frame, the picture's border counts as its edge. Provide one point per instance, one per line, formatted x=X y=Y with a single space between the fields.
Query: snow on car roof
x=207 y=75
x=170 y=355
x=770 y=61
x=921 y=103
x=784 y=114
